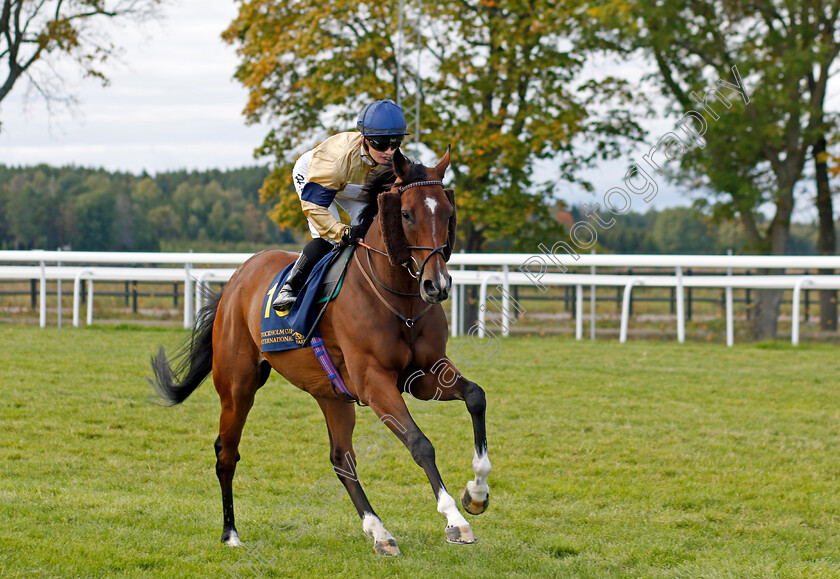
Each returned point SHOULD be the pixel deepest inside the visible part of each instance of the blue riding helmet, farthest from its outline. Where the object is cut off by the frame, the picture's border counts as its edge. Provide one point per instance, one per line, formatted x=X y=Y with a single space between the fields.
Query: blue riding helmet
x=381 y=118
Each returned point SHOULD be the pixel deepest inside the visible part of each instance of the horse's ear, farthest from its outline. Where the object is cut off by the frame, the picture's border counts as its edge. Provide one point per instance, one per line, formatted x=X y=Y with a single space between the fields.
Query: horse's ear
x=443 y=164
x=401 y=166
x=390 y=222
x=453 y=226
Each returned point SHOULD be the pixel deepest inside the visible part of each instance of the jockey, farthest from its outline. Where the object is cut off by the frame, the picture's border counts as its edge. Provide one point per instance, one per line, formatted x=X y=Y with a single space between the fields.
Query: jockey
x=333 y=173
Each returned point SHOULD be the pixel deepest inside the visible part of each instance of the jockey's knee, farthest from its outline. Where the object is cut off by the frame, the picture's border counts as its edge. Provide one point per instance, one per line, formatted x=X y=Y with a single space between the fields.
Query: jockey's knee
x=317 y=248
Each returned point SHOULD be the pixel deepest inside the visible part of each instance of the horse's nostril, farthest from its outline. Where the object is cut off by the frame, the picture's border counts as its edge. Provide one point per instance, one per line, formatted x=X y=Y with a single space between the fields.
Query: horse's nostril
x=430 y=288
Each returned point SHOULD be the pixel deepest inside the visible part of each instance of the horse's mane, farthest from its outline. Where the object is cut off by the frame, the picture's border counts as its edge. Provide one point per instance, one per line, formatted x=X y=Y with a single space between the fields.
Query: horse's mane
x=380 y=181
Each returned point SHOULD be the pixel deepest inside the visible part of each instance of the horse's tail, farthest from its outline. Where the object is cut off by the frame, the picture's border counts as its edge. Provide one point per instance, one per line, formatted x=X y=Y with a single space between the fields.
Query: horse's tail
x=194 y=358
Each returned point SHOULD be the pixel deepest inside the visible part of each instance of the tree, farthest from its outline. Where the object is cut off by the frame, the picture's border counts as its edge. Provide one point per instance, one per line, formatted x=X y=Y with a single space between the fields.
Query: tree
x=631 y=234
x=681 y=230
x=31 y=31
x=165 y=222
x=96 y=211
x=827 y=239
x=501 y=83
x=254 y=224
x=28 y=204
x=784 y=50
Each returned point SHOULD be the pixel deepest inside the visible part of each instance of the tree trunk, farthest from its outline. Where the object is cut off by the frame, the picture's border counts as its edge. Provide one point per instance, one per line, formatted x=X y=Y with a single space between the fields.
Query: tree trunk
x=765 y=319
x=826 y=242
x=765 y=313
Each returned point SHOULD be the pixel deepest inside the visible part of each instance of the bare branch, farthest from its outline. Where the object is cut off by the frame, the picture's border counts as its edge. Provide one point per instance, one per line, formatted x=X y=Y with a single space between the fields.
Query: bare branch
x=31 y=29
x=32 y=16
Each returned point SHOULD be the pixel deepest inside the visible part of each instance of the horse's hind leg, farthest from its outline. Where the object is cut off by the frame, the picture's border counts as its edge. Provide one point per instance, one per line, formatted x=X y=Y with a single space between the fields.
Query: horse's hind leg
x=236 y=388
x=341 y=419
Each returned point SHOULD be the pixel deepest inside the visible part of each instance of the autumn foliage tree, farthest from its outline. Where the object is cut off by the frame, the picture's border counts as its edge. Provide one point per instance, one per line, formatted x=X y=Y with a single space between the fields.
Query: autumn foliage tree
x=785 y=51
x=501 y=82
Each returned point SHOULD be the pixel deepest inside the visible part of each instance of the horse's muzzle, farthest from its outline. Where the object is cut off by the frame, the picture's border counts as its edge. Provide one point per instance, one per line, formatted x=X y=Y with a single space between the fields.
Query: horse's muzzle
x=435 y=289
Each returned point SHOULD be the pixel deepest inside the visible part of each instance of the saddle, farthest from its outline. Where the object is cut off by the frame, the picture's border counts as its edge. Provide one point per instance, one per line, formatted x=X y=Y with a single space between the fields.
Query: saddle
x=294 y=328
x=330 y=283
x=298 y=327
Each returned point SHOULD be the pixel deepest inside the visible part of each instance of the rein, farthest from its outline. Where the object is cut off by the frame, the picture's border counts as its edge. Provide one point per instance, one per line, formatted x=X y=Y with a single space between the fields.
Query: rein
x=408 y=321
x=368 y=249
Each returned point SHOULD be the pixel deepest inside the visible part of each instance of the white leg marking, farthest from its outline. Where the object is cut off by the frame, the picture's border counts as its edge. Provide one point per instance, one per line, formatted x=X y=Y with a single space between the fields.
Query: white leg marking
x=448 y=508
x=374 y=528
x=478 y=489
x=233 y=540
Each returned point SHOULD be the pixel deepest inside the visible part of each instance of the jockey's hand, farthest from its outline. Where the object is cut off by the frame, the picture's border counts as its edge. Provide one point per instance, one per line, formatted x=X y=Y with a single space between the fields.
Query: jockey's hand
x=357 y=232
x=351 y=234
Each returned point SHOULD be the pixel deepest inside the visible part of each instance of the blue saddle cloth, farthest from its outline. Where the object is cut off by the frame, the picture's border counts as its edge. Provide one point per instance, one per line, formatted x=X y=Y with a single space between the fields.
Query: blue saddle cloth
x=288 y=331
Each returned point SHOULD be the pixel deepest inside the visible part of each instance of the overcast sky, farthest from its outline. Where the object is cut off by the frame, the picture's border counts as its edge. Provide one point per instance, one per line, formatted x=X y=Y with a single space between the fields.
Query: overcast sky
x=172 y=104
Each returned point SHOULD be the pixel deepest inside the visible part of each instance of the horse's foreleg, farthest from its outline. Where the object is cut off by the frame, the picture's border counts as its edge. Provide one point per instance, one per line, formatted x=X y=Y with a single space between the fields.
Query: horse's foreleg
x=476 y=495
x=444 y=382
x=341 y=419
x=391 y=409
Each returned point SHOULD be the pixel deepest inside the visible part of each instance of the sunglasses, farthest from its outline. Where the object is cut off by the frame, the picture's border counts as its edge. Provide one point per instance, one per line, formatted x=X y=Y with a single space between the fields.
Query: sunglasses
x=385 y=143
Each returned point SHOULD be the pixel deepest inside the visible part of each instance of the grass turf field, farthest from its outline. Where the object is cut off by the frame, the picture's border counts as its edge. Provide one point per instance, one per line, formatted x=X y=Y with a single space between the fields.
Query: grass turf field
x=609 y=460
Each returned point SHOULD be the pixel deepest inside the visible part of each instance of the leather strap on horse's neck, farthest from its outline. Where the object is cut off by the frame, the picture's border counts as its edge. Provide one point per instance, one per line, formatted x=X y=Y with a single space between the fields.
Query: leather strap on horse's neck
x=408 y=321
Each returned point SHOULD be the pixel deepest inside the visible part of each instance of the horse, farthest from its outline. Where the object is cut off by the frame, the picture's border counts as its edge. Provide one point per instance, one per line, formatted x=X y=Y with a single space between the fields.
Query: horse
x=407 y=232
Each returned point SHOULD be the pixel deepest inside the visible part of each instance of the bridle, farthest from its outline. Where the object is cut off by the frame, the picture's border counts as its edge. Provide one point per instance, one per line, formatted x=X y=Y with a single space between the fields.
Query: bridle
x=415 y=273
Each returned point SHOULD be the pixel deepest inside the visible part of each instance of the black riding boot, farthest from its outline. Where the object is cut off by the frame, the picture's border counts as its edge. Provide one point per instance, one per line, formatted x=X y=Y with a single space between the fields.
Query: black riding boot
x=311 y=254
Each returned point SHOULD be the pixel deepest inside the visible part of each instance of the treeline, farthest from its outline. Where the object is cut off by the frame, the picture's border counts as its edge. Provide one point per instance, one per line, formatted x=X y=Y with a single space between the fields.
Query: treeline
x=684 y=230
x=97 y=210
x=676 y=230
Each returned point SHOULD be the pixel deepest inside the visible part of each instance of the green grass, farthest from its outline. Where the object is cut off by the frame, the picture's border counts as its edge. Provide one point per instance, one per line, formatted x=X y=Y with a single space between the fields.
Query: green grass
x=609 y=460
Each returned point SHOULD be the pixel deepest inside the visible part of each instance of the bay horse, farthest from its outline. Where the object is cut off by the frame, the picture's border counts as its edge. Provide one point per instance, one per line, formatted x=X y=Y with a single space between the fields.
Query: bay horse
x=384 y=343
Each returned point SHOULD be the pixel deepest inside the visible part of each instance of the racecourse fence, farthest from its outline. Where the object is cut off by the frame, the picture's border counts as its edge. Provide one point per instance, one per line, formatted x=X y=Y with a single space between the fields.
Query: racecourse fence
x=497 y=279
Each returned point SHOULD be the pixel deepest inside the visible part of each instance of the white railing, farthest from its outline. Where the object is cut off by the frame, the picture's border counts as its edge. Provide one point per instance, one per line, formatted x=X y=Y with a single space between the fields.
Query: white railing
x=628 y=282
x=130 y=258
x=130 y=272
x=514 y=260
x=535 y=270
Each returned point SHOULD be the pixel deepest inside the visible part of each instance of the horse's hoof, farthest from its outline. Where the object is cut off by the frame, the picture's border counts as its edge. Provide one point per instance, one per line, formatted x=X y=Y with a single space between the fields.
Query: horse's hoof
x=462 y=535
x=231 y=538
x=388 y=548
x=471 y=505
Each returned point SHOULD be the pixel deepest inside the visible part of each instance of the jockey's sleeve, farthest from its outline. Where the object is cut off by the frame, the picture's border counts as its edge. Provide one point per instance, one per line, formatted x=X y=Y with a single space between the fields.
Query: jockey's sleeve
x=315 y=201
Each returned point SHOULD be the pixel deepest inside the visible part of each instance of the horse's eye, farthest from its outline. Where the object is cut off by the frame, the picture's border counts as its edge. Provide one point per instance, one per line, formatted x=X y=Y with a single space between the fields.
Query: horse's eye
x=406 y=215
